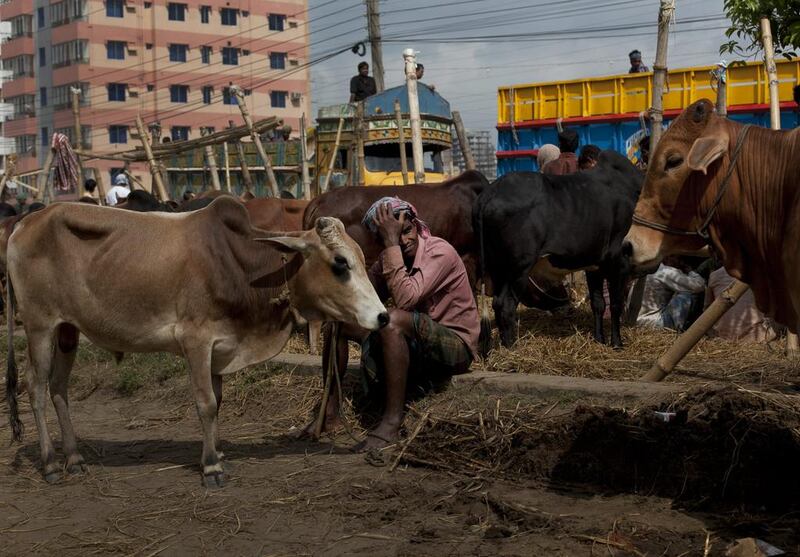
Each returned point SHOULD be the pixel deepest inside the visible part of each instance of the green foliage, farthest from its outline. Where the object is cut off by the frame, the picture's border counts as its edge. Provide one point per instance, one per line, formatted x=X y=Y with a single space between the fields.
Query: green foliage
x=745 y=29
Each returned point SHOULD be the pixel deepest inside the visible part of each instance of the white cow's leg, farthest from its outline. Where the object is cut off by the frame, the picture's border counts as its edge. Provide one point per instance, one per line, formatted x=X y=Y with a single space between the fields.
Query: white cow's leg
x=40 y=348
x=206 y=403
x=64 y=357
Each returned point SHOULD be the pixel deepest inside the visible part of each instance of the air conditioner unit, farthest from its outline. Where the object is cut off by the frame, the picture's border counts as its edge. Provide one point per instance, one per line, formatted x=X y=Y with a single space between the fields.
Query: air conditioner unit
x=292 y=24
x=295 y=96
x=132 y=52
x=294 y=62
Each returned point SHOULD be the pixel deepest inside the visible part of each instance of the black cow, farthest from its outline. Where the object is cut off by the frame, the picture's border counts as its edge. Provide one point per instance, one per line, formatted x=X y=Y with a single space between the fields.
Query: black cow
x=143 y=202
x=556 y=225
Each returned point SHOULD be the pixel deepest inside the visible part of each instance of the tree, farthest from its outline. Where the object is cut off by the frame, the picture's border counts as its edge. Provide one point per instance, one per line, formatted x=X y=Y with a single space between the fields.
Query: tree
x=784 y=17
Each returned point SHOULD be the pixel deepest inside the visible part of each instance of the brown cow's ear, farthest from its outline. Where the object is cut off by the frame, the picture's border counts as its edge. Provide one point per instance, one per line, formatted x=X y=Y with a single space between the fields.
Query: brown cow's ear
x=288 y=244
x=706 y=150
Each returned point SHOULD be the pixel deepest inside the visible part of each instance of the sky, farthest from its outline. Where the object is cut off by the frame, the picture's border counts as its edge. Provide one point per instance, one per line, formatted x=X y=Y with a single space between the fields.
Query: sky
x=467 y=51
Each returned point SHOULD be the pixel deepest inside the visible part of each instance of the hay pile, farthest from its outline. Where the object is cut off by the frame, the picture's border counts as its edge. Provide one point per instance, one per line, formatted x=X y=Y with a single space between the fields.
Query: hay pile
x=722 y=448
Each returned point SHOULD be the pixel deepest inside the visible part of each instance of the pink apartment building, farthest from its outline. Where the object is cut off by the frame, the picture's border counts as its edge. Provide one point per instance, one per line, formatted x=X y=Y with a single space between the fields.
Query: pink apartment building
x=170 y=62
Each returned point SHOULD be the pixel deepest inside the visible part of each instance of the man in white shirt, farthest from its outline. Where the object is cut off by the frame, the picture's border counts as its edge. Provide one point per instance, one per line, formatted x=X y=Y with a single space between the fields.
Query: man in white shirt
x=670 y=295
x=119 y=192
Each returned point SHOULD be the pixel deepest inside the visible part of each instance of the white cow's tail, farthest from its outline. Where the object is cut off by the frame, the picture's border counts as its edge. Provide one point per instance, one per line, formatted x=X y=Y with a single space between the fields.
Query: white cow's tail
x=12 y=375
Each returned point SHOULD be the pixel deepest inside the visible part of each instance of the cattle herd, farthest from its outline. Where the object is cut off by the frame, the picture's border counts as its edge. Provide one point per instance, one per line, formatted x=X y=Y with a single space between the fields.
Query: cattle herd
x=221 y=281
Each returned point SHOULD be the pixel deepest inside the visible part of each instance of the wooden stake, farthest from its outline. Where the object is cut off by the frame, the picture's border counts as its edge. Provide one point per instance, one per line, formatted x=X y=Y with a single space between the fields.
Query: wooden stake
x=304 y=159
x=463 y=141
x=227 y=167
x=212 y=162
x=155 y=169
x=43 y=180
x=273 y=183
x=401 y=135
x=413 y=110
x=665 y=13
x=327 y=178
x=358 y=129
x=76 y=118
x=246 y=178
x=672 y=357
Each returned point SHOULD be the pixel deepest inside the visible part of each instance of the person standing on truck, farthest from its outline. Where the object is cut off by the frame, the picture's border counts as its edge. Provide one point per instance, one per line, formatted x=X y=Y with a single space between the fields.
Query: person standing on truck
x=362 y=85
x=636 y=62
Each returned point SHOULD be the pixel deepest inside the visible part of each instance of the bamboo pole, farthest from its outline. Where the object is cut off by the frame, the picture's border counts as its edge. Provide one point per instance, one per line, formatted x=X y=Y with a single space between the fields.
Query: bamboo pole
x=101 y=186
x=327 y=178
x=401 y=138
x=246 y=177
x=675 y=353
x=76 y=122
x=227 y=166
x=211 y=158
x=304 y=159
x=413 y=110
x=463 y=141
x=155 y=169
x=665 y=13
x=358 y=129
x=43 y=179
x=273 y=183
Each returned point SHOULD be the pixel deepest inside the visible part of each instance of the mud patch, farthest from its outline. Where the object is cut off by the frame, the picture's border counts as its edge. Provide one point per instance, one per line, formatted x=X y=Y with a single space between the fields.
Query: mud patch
x=723 y=449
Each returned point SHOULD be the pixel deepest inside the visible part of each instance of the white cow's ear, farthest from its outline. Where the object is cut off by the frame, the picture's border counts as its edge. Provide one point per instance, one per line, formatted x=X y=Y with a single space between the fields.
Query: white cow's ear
x=706 y=150
x=288 y=244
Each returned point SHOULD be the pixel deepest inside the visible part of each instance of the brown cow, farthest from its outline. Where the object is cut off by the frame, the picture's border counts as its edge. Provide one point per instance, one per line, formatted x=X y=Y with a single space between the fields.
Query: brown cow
x=198 y=284
x=271 y=213
x=712 y=180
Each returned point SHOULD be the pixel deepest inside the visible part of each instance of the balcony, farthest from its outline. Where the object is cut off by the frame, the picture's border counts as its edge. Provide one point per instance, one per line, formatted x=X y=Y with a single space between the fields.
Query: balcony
x=5 y=30
x=6 y=75
x=7 y=145
x=6 y=111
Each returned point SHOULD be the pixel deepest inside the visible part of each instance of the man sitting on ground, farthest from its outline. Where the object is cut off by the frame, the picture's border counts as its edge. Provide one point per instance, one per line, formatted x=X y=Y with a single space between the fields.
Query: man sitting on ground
x=671 y=295
x=567 y=161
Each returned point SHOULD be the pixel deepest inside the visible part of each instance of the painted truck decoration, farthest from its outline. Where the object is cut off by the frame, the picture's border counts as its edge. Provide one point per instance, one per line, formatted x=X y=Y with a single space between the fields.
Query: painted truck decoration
x=609 y=111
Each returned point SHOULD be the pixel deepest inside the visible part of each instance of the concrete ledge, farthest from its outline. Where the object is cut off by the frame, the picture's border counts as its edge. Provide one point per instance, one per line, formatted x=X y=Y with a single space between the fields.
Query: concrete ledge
x=513 y=382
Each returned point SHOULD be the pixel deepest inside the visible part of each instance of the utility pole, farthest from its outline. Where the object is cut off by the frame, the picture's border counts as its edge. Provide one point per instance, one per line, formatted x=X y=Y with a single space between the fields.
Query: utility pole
x=374 y=28
x=413 y=112
x=721 y=76
x=665 y=13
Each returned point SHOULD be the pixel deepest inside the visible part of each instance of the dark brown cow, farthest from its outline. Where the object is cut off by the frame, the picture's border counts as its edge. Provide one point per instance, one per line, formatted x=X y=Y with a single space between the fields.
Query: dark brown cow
x=204 y=285
x=445 y=207
x=711 y=180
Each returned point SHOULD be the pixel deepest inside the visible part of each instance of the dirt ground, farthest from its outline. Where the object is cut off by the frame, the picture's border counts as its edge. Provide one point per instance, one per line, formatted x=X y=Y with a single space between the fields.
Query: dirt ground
x=283 y=496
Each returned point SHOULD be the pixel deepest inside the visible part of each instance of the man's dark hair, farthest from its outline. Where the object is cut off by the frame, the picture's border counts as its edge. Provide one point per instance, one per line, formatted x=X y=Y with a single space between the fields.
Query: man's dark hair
x=188 y=194
x=588 y=153
x=90 y=185
x=633 y=53
x=362 y=65
x=420 y=67
x=568 y=141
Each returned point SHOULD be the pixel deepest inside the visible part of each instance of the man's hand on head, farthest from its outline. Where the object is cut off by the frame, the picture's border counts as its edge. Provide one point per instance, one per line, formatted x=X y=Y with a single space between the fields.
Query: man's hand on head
x=389 y=227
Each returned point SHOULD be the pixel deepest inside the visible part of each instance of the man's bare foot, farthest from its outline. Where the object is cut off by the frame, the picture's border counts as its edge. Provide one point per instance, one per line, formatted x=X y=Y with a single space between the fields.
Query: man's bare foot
x=378 y=438
x=331 y=425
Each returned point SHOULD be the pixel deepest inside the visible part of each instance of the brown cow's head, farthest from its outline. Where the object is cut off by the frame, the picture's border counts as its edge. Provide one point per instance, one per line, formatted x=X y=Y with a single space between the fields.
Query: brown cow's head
x=332 y=282
x=679 y=177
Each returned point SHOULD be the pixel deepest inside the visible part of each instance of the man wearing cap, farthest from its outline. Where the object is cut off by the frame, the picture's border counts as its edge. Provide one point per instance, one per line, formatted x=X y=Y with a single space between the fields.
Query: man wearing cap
x=636 y=62
x=567 y=161
x=433 y=327
x=119 y=192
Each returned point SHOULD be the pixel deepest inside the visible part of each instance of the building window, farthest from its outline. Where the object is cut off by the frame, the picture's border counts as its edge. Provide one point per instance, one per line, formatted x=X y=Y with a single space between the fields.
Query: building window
x=205 y=14
x=277 y=60
x=276 y=22
x=20 y=66
x=177 y=52
x=61 y=96
x=45 y=137
x=179 y=133
x=230 y=56
x=42 y=57
x=179 y=93
x=64 y=54
x=114 y=8
x=205 y=54
x=207 y=92
x=228 y=97
x=176 y=12
x=277 y=99
x=228 y=16
x=42 y=96
x=40 y=17
x=116 y=92
x=115 y=50
x=118 y=134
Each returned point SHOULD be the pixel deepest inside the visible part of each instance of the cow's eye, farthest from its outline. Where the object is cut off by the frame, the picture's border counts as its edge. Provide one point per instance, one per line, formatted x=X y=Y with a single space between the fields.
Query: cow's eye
x=673 y=161
x=340 y=265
